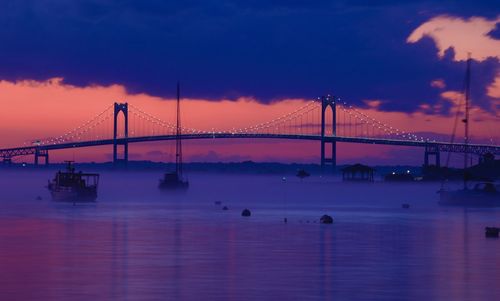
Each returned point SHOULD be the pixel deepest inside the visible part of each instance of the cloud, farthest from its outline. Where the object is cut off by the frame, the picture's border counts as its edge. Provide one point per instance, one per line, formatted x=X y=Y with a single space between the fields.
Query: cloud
x=373 y=103
x=494 y=88
x=463 y=36
x=228 y=49
x=438 y=83
x=213 y=156
x=493 y=91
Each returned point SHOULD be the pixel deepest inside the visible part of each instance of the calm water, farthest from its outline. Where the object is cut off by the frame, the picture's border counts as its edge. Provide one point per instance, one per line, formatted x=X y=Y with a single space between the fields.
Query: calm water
x=139 y=244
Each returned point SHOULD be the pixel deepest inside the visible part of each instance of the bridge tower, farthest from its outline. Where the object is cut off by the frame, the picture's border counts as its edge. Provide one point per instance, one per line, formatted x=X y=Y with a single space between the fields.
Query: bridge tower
x=41 y=153
x=432 y=150
x=328 y=102
x=123 y=108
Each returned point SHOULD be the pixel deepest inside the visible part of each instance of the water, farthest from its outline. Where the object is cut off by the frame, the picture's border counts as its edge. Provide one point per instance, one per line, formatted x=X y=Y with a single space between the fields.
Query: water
x=139 y=244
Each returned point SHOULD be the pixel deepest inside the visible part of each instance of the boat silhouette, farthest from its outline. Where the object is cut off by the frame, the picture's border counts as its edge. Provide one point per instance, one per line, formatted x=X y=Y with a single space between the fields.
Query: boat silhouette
x=483 y=194
x=302 y=174
x=71 y=186
x=175 y=180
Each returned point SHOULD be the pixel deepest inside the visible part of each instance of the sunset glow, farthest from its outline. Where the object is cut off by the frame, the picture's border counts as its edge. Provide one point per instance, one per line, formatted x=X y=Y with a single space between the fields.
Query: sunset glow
x=51 y=108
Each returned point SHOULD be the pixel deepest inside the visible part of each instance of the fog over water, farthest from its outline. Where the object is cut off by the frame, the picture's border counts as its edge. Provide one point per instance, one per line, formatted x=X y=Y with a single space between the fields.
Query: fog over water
x=137 y=243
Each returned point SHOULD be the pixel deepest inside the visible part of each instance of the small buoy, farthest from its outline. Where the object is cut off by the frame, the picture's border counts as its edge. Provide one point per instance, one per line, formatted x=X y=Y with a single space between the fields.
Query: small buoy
x=491 y=231
x=246 y=212
x=326 y=219
x=286 y=220
x=218 y=202
x=406 y=206
x=225 y=208
x=38 y=198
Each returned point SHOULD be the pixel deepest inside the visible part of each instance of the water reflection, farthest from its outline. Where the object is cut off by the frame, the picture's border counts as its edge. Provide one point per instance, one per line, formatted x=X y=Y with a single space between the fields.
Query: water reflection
x=147 y=246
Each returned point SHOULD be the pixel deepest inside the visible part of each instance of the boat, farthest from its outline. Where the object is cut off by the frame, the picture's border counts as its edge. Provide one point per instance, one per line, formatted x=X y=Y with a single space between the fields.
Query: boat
x=483 y=194
x=71 y=186
x=175 y=180
x=302 y=174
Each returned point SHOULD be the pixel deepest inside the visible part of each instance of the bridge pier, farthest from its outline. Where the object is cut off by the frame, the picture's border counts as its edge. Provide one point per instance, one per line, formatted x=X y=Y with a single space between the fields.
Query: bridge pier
x=326 y=102
x=7 y=160
x=123 y=108
x=41 y=153
x=432 y=150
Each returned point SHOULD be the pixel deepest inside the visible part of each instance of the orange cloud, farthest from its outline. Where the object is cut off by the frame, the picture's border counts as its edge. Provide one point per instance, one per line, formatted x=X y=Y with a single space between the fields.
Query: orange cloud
x=438 y=83
x=373 y=103
x=462 y=35
x=494 y=89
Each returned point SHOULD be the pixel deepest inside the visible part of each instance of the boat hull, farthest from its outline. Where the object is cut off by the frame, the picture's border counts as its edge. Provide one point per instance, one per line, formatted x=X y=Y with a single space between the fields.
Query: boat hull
x=73 y=196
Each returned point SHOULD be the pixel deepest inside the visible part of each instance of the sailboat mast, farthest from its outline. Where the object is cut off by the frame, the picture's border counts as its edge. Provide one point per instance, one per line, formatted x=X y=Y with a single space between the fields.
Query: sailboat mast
x=466 y=119
x=178 y=141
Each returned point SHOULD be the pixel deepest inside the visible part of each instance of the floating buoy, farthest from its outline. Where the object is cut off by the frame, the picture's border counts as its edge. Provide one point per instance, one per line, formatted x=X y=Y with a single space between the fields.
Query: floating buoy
x=246 y=212
x=218 y=202
x=326 y=219
x=225 y=208
x=38 y=198
x=491 y=231
x=286 y=220
x=406 y=206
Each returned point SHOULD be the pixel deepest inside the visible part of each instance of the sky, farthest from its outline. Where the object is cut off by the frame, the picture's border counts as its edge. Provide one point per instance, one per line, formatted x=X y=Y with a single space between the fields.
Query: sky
x=403 y=62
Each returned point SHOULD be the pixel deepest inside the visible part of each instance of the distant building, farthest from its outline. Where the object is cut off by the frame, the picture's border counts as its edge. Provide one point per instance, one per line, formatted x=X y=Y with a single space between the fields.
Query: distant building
x=358 y=173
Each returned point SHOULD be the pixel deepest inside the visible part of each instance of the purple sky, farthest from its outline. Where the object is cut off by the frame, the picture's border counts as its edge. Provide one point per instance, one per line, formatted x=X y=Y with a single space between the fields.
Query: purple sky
x=267 y=49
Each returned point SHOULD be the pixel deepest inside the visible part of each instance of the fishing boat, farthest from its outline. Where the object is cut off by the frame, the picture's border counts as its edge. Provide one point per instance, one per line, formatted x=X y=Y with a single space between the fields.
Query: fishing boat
x=175 y=180
x=483 y=194
x=71 y=186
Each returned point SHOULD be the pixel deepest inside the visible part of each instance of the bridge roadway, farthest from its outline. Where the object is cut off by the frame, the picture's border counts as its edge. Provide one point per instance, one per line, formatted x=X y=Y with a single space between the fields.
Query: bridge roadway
x=478 y=149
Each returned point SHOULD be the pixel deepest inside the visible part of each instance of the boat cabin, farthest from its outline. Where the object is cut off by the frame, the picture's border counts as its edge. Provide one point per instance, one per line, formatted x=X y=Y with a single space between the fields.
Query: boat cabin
x=70 y=178
x=77 y=179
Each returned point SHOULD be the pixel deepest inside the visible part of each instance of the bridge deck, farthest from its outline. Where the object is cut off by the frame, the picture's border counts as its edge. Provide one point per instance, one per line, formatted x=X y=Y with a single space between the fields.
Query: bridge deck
x=478 y=149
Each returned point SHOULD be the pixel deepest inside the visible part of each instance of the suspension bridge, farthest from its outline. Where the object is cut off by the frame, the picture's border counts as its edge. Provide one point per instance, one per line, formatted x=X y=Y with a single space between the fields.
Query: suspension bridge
x=311 y=121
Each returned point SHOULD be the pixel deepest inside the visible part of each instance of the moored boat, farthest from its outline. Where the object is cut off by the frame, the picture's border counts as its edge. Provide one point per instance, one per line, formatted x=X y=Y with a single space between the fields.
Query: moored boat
x=71 y=186
x=174 y=180
x=484 y=194
x=302 y=174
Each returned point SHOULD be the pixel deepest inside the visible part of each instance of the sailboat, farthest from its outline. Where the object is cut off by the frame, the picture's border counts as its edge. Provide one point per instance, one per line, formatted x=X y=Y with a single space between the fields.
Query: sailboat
x=174 y=180
x=483 y=194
